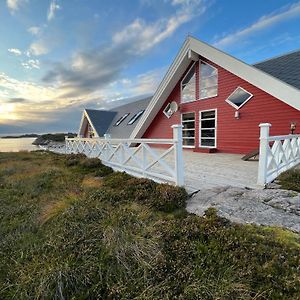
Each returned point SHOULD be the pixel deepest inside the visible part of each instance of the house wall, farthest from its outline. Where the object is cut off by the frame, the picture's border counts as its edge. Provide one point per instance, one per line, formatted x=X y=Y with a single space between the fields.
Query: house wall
x=233 y=136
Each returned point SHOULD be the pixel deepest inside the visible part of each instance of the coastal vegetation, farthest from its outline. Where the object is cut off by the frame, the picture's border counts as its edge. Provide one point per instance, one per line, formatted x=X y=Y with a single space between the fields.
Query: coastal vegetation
x=71 y=228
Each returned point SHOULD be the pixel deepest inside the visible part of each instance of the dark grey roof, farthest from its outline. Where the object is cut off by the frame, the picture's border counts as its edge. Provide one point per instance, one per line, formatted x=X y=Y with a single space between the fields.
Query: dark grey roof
x=101 y=119
x=285 y=68
x=124 y=130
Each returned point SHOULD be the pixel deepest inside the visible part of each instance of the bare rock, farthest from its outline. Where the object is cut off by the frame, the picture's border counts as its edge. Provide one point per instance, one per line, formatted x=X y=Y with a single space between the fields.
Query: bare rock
x=273 y=207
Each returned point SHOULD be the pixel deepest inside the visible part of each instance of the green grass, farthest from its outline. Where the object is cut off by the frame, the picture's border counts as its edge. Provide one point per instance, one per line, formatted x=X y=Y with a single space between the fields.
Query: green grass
x=70 y=228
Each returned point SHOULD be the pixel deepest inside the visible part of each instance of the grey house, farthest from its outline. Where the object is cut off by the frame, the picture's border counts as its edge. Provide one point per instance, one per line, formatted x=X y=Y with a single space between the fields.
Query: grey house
x=117 y=123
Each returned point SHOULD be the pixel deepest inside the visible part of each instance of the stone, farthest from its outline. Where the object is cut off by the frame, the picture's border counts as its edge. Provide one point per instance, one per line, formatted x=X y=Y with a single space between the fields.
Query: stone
x=273 y=207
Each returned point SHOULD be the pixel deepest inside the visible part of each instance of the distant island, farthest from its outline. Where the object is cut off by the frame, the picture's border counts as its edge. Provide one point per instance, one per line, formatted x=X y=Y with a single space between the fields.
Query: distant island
x=43 y=139
x=46 y=139
x=30 y=135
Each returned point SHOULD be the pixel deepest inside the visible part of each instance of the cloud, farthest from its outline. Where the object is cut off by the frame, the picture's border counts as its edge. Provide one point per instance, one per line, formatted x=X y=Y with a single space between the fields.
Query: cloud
x=15 y=51
x=52 y=10
x=34 y=30
x=14 y=5
x=38 y=48
x=17 y=100
x=143 y=84
x=93 y=70
x=31 y=64
x=262 y=23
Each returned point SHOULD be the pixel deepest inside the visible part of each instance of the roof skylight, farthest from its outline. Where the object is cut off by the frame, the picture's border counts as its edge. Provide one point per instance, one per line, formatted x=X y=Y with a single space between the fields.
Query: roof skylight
x=135 y=117
x=121 y=119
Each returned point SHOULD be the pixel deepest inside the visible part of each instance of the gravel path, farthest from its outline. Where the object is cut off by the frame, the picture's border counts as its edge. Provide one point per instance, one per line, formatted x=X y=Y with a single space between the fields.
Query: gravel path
x=273 y=207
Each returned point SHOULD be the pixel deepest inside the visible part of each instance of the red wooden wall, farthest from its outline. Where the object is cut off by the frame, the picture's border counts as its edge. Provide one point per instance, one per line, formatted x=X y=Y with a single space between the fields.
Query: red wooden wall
x=233 y=136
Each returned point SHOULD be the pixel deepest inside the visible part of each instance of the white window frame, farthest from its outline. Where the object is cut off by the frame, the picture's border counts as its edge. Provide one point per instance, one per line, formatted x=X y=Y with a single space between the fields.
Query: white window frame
x=195 y=85
x=200 y=78
x=215 y=128
x=235 y=106
x=186 y=129
x=165 y=110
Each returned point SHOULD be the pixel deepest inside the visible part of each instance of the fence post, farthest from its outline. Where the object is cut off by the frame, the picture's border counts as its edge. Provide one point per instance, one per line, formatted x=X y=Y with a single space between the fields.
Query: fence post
x=263 y=153
x=179 y=168
x=66 y=144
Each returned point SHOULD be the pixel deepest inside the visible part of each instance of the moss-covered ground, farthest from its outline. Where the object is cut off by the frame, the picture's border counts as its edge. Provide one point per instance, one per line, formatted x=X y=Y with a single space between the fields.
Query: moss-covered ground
x=70 y=228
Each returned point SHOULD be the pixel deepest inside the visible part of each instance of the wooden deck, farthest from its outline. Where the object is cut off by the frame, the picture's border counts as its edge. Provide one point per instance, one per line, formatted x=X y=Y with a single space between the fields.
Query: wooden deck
x=218 y=169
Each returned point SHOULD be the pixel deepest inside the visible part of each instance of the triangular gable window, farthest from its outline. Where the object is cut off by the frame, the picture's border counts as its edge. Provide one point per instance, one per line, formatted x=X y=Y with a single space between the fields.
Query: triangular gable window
x=188 y=85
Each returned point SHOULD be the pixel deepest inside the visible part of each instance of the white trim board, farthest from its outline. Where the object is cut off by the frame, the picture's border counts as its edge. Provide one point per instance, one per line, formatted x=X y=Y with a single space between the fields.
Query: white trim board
x=273 y=86
x=86 y=115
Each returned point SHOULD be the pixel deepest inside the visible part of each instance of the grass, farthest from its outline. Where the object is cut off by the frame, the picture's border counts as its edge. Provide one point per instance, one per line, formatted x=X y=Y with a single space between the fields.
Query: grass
x=70 y=228
x=290 y=180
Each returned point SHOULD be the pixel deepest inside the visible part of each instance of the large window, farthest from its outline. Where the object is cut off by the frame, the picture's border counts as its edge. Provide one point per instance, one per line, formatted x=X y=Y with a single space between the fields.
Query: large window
x=239 y=97
x=208 y=81
x=188 y=130
x=208 y=128
x=188 y=86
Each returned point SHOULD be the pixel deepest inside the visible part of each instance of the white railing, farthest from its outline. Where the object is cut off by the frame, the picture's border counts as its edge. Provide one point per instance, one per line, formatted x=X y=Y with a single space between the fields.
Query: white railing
x=276 y=154
x=136 y=156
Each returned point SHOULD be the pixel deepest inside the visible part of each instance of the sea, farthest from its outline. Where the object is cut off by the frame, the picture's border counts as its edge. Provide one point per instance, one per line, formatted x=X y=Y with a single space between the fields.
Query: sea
x=17 y=144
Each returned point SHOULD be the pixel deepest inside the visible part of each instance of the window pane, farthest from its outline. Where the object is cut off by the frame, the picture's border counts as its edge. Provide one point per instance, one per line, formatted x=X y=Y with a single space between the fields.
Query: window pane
x=207 y=70
x=188 y=133
x=188 y=86
x=209 y=92
x=208 y=124
x=208 y=142
x=208 y=114
x=188 y=125
x=188 y=116
x=239 y=96
x=188 y=142
x=208 y=133
x=190 y=76
x=188 y=92
x=208 y=82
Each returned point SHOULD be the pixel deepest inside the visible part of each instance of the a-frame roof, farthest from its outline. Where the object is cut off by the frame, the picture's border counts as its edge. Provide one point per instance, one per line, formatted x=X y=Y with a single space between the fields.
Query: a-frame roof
x=98 y=119
x=191 y=49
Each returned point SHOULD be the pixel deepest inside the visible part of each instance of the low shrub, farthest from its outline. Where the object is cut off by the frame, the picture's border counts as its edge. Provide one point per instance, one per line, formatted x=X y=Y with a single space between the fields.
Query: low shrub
x=74 y=159
x=290 y=180
x=90 y=163
x=168 y=198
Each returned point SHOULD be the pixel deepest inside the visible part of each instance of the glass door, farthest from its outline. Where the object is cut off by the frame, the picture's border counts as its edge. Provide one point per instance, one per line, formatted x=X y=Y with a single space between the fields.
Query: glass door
x=208 y=129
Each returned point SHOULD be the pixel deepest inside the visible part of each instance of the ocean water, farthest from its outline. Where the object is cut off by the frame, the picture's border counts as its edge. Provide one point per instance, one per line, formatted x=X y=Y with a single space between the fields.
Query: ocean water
x=16 y=145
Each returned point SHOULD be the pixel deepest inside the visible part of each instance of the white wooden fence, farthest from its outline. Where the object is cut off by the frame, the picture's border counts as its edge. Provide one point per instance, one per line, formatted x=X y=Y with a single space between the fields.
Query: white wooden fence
x=136 y=156
x=276 y=154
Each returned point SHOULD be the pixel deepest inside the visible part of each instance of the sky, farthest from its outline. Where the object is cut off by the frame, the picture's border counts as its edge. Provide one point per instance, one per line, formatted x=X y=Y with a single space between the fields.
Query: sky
x=58 y=57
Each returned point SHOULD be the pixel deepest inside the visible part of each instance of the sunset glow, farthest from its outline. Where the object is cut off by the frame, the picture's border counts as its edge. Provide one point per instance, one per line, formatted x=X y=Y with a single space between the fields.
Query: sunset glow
x=59 y=57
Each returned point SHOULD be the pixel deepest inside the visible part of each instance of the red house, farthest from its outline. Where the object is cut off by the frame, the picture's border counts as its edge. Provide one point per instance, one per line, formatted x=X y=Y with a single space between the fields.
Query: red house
x=222 y=100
